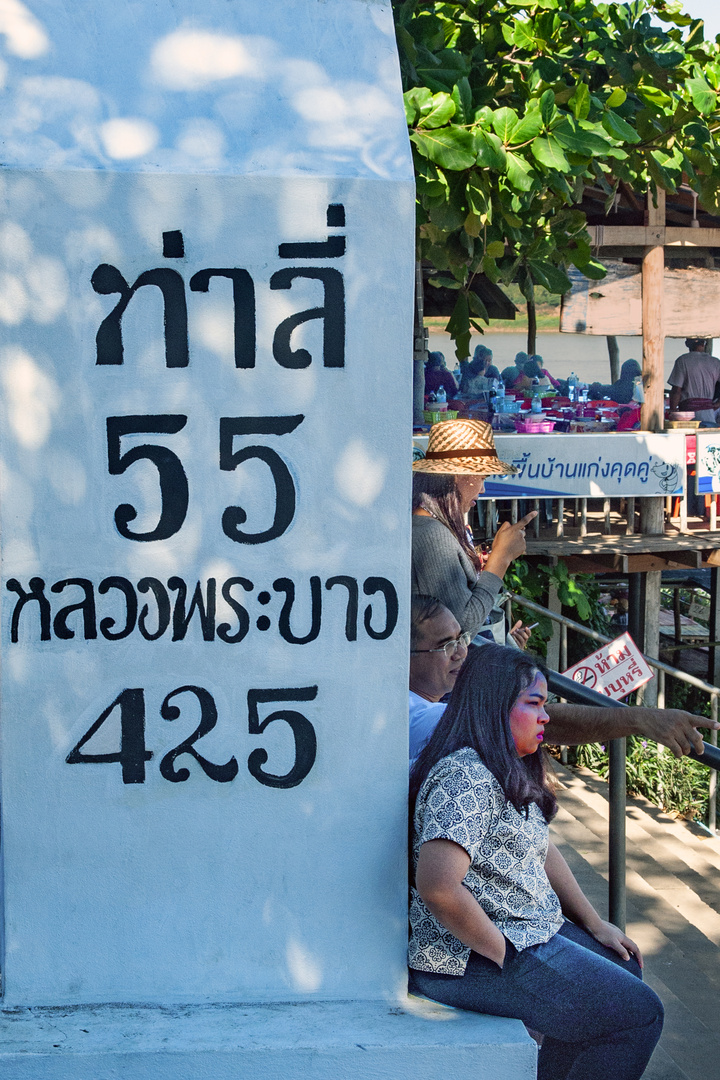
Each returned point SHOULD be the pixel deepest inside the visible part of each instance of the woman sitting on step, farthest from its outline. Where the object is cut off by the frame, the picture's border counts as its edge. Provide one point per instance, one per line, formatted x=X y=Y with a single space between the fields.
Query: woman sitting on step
x=498 y=923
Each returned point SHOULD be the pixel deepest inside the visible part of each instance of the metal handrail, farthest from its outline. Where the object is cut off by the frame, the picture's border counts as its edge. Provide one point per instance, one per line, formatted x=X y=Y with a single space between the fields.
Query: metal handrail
x=676 y=673
x=583 y=695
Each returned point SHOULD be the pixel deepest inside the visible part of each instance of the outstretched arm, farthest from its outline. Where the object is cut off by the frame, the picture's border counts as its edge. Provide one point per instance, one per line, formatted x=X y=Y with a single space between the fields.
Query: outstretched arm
x=576 y=907
x=674 y=728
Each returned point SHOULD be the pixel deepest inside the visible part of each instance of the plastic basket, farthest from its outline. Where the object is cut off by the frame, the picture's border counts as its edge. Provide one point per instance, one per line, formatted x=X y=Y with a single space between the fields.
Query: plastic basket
x=433 y=417
x=534 y=427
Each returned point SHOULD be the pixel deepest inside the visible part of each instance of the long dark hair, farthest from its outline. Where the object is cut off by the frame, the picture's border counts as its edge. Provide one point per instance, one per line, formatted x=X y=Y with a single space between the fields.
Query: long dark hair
x=478 y=715
x=438 y=494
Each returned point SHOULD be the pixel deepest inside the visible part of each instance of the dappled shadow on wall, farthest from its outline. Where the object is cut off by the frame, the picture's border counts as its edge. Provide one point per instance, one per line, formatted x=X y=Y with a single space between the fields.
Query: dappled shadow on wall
x=194 y=99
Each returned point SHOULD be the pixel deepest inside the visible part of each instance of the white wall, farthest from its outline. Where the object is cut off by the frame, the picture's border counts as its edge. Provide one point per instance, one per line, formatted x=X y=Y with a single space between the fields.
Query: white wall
x=200 y=889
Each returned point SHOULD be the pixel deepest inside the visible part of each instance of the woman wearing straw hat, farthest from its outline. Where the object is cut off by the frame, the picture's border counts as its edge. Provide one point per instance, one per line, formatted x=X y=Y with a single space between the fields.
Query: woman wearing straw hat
x=446 y=484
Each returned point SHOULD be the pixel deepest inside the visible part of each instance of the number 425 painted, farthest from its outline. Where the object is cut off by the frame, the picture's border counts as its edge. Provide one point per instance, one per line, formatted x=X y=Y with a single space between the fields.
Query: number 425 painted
x=133 y=753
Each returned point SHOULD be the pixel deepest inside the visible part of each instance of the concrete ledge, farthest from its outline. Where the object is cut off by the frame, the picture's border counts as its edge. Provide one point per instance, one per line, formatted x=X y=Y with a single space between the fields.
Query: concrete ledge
x=353 y=1040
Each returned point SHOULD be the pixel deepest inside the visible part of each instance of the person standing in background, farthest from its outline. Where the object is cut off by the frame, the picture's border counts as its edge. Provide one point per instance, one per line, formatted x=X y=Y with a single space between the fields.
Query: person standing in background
x=693 y=378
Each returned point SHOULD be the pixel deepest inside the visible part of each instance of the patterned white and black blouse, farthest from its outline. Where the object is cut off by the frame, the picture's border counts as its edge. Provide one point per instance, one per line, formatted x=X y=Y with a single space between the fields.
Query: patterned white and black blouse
x=462 y=801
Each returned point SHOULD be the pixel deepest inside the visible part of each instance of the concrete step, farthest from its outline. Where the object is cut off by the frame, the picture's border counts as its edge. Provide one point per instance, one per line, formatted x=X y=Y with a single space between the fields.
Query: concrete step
x=687 y=877
x=652 y=908
x=326 y=1040
x=681 y=958
x=689 y=839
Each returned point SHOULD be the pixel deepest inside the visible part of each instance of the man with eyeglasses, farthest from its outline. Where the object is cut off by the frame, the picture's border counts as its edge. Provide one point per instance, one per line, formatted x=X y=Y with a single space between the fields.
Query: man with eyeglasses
x=438 y=649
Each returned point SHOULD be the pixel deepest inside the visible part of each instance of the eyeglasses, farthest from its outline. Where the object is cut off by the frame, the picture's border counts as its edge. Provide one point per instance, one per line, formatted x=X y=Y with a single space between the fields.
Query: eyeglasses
x=450 y=648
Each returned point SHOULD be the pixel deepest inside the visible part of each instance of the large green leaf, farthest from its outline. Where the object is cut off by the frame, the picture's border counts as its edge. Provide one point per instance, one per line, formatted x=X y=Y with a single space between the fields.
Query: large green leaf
x=703 y=96
x=503 y=122
x=549 y=152
x=547 y=107
x=477 y=197
x=580 y=101
x=579 y=141
x=695 y=34
x=417 y=101
x=447 y=216
x=527 y=127
x=442 y=110
x=462 y=96
x=519 y=172
x=616 y=99
x=477 y=307
x=653 y=95
x=551 y=277
x=522 y=35
x=452 y=148
x=699 y=133
x=459 y=325
x=618 y=128
x=489 y=150
x=660 y=169
x=592 y=269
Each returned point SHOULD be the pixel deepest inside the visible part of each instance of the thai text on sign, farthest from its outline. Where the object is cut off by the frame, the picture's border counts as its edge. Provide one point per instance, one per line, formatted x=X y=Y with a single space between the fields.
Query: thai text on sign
x=616 y=670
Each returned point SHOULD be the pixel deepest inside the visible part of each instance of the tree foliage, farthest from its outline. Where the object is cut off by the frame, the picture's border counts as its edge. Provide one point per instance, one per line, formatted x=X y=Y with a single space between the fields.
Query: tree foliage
x=514 y=107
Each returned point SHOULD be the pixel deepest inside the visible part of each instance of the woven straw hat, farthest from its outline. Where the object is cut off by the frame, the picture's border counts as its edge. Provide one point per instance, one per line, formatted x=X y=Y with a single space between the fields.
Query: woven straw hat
x=463 y=447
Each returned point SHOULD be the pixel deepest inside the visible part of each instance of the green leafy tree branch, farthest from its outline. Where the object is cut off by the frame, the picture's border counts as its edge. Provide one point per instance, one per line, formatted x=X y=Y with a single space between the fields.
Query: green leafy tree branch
x=514 y=107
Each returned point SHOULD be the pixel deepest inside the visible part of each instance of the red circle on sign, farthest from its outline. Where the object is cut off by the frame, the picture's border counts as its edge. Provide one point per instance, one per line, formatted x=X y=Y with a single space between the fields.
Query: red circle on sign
x=585 y=675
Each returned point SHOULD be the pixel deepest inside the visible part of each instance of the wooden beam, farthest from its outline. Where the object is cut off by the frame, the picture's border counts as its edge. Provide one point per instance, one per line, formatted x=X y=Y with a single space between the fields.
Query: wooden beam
x=651 y=235
x=692 y=238
x=641 y=564
x=623 y=564
x=653 y=269
x=597 y=564
x=708 y=543
x=681 y=559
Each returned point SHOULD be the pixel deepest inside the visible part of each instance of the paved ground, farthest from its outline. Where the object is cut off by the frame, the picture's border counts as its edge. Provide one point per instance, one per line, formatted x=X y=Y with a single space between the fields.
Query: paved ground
x=673 y=914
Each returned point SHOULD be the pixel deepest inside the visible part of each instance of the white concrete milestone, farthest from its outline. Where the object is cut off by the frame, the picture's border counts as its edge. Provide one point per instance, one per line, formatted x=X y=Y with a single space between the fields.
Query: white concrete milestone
x=206 y=274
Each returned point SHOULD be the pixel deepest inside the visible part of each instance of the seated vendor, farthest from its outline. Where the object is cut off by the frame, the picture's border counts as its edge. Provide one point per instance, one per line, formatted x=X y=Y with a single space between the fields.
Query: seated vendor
x=473 y=381
x=621 y=390
x=437 y=376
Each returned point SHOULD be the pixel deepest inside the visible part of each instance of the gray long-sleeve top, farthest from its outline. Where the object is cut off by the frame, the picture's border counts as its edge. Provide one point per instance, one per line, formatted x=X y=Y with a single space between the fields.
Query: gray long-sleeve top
x=440 y=568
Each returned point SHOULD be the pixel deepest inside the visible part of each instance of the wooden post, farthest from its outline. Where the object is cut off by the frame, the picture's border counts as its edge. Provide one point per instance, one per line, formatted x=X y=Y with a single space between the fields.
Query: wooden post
x=653 y=268
x=532 y=325
x=652 y=511
x=614 y=354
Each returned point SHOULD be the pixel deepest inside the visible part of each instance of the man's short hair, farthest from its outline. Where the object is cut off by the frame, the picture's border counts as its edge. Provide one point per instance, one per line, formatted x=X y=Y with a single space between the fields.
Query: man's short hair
x=422 y=608
x=696 y=344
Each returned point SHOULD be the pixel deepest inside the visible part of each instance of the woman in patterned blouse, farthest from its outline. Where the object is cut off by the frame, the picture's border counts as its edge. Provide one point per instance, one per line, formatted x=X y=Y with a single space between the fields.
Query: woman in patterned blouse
x=498 y=923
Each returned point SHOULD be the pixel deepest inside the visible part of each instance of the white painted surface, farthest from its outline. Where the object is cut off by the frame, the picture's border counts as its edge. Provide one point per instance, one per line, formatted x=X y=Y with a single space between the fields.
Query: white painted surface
x=356 y=1040
x=202 y=890
x=296 y=86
